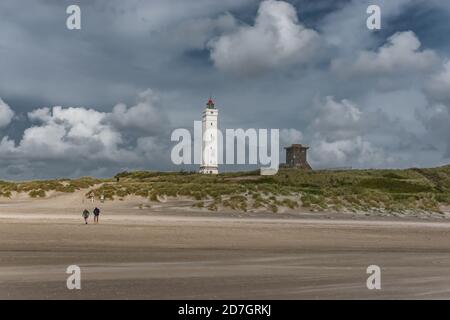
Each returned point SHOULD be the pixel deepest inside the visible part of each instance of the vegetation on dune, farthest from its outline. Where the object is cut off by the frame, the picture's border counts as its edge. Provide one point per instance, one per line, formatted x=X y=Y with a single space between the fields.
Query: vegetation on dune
x=384 y=191
x=39 y=189
x=353 y=190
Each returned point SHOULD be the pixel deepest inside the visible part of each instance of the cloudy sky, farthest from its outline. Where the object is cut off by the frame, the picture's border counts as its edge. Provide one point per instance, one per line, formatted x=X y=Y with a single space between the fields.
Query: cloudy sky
x=107 y=97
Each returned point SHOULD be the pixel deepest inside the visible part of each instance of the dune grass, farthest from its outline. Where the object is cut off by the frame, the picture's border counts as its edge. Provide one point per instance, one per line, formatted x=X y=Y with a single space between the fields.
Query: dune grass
x=399 y=191
x=352 y=190
x=39 y=189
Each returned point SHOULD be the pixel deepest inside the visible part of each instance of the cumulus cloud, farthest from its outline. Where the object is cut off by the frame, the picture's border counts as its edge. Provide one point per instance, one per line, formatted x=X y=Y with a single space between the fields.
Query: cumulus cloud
x=337 y=120
x=145 y=116
x=439 y=85
x=346 y=153
x=348 y=134
x=6 y=114
x=290 y=136
x=400 y=53
x=88 y=138
x=343 y=119
x=436 y=119
x=58 y=133
x=340 y=135
x=277 y=39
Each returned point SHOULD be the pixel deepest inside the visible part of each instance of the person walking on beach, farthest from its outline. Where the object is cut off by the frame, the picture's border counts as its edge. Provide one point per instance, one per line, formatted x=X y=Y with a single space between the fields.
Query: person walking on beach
x=96 y=214
x=86 y=215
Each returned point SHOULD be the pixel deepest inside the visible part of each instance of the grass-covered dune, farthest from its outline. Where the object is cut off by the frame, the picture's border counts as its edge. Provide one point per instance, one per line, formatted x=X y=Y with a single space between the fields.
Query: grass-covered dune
x=40 y=188
x=399 y=191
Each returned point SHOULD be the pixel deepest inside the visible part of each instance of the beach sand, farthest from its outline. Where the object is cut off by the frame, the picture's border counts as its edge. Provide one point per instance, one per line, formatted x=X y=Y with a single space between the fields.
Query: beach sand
x=162 y=254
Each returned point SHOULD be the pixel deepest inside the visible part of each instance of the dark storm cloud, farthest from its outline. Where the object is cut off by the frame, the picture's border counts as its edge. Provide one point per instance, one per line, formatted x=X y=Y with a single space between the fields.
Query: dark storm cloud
x=384 y=114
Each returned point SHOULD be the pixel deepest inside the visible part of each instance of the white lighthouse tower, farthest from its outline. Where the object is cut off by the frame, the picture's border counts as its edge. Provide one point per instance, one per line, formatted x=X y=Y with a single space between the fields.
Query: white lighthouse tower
x=209 y=140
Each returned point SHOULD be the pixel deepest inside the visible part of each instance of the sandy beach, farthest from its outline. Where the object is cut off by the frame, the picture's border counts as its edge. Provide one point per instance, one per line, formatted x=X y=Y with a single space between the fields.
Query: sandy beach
x=162 y=254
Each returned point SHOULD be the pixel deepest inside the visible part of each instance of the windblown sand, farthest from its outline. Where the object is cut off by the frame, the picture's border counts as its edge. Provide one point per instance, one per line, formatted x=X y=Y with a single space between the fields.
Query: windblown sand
x=160 y=253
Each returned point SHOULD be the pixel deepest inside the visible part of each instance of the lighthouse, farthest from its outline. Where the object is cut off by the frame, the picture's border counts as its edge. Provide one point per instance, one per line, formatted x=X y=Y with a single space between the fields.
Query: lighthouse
x=209 y=140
